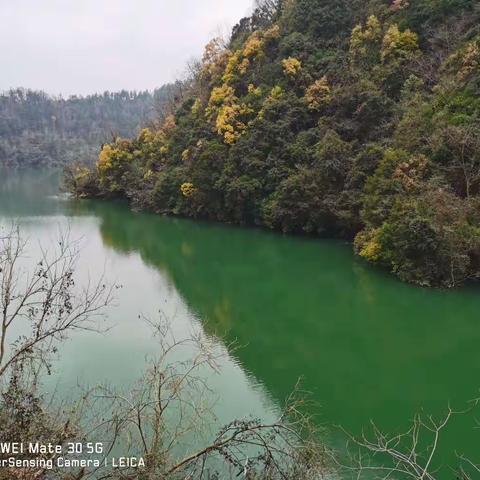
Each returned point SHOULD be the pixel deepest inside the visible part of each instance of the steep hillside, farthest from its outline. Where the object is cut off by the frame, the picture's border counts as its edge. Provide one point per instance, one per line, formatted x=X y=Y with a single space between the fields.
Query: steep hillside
x=355 y=119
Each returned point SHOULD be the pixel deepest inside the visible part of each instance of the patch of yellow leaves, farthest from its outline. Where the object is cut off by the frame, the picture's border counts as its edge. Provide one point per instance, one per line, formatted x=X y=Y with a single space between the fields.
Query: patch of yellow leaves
x=291 y=66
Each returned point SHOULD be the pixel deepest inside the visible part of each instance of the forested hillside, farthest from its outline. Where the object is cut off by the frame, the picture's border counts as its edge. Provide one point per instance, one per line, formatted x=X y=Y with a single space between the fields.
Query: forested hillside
x=343 y=118
x=39 y=130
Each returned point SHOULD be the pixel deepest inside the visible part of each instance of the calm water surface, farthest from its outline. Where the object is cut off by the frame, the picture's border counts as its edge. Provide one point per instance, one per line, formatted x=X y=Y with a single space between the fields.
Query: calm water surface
x=367 y=346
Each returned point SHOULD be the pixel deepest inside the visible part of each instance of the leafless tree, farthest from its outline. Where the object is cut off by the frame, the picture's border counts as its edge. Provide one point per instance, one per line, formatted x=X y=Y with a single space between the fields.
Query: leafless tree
x=460 y=145
x=464 y=144
x=173 y=402
x=268 y=9
x=170 y=405
x=41 y=305
x=409 y=455
x=442 y=41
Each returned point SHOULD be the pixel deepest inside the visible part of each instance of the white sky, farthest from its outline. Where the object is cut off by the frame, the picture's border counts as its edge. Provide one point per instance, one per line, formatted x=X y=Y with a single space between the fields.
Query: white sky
x=87 y=46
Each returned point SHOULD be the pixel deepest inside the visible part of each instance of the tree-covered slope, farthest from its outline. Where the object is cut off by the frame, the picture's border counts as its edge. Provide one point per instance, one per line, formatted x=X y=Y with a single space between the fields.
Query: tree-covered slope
x=348 y=118
x=40 y=130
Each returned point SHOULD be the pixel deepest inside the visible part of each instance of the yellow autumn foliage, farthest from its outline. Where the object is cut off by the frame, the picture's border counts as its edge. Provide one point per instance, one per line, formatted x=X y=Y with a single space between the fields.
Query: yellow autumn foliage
x=257 y=91
x=185 y=155
x=104 y=162
x=228 y=123
x=367 y=244
x=399 y=44
x=187 y=189
x=230 y=137
x=146 y=135
x=197 y=104
x=318 y=94
x=370 y=40
x=253 y=46
x=243 y=66
x=276 y=92
x=238 y=63
x=363 y=37
x=272 y=33
x=220 y=96
x=470 y=61
x=232 y=66
x=223 y=108
x=214 y=58
x=291 y=66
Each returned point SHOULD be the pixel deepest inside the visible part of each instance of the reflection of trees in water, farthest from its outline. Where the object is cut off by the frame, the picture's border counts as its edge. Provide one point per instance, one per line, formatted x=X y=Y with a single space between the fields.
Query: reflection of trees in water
x=29 y=192
x=161 y=420
x=362 y=341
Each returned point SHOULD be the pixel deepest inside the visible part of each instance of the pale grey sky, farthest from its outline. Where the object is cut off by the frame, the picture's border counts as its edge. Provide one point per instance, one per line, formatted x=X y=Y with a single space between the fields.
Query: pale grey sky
x=86 y=46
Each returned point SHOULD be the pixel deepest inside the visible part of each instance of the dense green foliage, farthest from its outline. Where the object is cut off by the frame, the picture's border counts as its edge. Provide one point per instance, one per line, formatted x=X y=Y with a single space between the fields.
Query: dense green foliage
x=39 y=130
x=357 y=119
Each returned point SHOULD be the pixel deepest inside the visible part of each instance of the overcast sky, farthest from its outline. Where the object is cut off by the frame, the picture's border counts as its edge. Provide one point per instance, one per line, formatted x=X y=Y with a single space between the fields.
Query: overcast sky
x=86 y=46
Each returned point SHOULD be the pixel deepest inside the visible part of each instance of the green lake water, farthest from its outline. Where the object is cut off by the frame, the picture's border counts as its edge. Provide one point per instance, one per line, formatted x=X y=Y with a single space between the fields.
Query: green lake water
x=367 y=346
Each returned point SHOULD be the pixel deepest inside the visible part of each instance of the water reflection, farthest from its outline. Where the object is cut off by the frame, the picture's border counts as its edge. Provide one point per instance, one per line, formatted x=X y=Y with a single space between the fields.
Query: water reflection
x=119 y=357
x=366 y=345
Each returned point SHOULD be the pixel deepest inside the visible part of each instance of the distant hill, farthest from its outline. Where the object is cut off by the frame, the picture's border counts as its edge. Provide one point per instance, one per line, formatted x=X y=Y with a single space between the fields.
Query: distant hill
x=40 y=130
